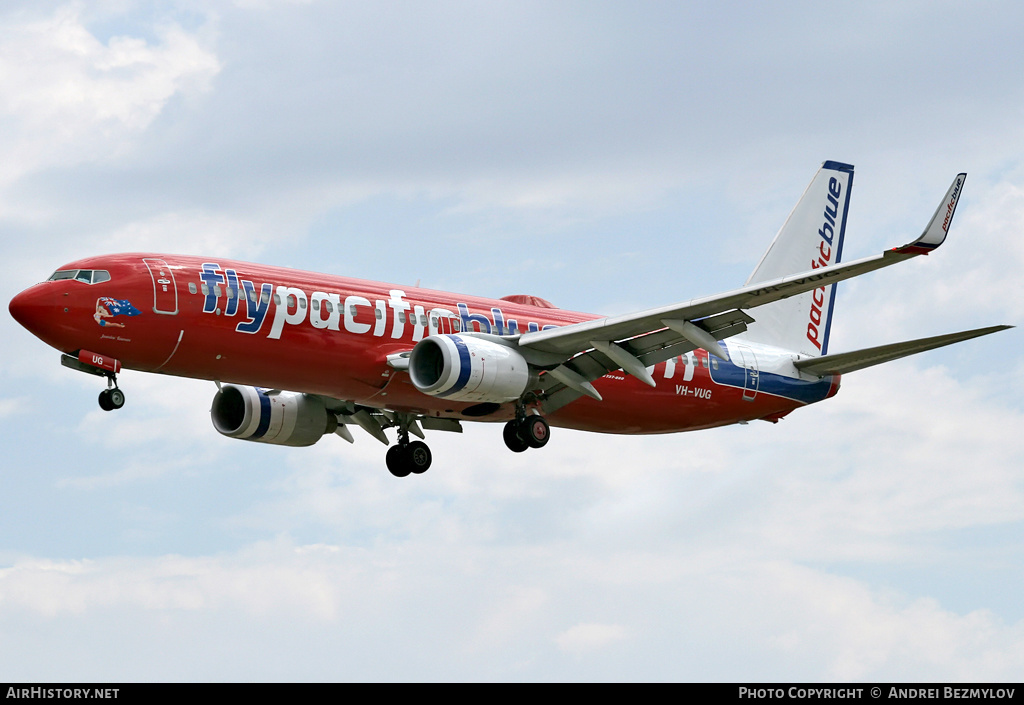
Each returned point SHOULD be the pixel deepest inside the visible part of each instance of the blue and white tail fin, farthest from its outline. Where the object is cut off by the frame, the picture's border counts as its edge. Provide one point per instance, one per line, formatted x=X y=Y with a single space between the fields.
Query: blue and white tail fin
x=811 y=237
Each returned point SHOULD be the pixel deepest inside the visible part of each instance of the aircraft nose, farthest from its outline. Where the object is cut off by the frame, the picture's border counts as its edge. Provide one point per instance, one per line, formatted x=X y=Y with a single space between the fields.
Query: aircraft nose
x=20 y=307
x=30 y=309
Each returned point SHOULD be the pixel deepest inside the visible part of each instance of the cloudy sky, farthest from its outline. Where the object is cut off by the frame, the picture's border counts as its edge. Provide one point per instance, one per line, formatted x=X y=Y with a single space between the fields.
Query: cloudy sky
x=605 y=156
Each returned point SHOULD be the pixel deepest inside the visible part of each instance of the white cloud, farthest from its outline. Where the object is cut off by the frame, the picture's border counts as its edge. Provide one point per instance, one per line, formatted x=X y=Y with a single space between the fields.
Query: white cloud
x=196 y=232
x=807 y=622
x=251 y=582
x=867 y=635
x=74 y=98
x=10 y=406
x=582 y=638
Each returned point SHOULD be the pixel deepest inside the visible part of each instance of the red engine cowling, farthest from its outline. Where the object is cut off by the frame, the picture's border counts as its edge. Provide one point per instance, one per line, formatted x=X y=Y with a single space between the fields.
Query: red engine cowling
x=282 y=419
x=464 y=368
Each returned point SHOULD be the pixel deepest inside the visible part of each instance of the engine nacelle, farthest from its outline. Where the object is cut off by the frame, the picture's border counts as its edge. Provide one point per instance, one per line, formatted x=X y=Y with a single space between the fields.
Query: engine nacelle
x=464 y=368
x=282 y=419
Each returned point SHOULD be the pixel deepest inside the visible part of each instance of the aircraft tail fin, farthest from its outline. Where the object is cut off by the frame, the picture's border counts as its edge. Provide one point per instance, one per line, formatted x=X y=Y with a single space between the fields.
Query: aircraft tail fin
x=859 y=359
x=811 y=237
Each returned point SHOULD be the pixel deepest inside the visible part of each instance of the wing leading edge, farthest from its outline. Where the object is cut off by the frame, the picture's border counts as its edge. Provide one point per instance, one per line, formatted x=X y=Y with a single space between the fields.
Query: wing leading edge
x=576 y=338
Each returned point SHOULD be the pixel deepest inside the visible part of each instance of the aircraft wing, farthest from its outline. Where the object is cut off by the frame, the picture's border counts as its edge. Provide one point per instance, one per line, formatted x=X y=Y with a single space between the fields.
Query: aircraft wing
x=635 y=341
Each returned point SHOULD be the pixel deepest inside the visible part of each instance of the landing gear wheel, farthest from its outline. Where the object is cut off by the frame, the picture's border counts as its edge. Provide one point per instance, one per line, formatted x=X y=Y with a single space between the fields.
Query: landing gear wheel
x=398 y=461
x=535 y=431
x=111 y=398
x=418 y=457
x=116 y=397
x=513 y=440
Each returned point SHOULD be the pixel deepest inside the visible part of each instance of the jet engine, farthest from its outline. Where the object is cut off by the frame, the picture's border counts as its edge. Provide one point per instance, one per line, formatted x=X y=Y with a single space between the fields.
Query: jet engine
x=281 y=418
x=464 y=368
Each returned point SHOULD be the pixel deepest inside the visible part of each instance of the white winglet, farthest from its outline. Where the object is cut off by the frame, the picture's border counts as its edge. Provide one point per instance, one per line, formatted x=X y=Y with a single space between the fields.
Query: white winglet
x=938 y=227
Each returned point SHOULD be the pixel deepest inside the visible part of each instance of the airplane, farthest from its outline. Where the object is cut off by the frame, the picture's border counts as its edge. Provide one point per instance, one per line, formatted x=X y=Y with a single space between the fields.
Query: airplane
x=298 y=355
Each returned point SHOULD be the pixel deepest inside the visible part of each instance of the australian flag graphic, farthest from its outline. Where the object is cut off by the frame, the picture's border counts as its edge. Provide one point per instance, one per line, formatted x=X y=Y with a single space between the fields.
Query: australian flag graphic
x=119 y=307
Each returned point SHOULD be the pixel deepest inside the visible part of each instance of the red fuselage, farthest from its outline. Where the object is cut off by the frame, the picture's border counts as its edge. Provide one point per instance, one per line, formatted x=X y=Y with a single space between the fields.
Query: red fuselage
x=286 y=329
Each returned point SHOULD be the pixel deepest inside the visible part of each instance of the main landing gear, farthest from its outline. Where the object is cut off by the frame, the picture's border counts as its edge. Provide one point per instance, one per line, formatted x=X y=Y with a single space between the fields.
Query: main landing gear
x=526 y=431
x=405 y=457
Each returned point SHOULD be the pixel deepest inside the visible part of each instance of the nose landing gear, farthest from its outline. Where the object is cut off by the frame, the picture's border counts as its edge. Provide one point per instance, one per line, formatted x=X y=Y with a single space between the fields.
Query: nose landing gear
x=94 y=364
x=112 y=398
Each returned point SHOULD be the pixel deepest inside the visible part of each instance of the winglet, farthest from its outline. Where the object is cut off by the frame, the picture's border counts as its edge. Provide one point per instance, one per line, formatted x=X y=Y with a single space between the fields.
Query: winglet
x=938 y=226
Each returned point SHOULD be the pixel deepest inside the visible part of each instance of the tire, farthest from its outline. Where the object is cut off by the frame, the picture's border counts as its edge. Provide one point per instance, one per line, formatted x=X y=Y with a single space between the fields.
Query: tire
x=398 y=461
x=513 y=440
x=535 y=431
x=116 y=397
x=105 y=402
x=418 y=457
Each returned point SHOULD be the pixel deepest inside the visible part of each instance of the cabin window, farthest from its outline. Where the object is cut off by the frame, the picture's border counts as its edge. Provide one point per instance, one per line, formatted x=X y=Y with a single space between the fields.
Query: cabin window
x=252 y=295
x=315 y=305
x=302 y=303
x=265 y=296
x=457 y=324
x=216 y=290
x=423 y=319
x=401 y=316
x=230 y=292
x=714 y=363
x=205 y=289
x=352 y=310
x=192 y=288
x=704 y=360
x=378 y=313
x=277 y=299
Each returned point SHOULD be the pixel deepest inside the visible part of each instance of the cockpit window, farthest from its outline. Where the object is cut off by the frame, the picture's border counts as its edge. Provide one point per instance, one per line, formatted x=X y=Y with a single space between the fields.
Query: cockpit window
x=89 y=276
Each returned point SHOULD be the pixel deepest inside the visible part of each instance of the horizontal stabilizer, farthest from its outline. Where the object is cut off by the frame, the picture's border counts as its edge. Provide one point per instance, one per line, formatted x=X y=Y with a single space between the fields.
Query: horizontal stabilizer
x=859 y=359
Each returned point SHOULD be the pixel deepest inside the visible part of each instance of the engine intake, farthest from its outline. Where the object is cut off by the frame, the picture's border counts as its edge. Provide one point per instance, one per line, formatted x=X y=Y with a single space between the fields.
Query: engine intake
x=282 y=419
x=464 y=368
